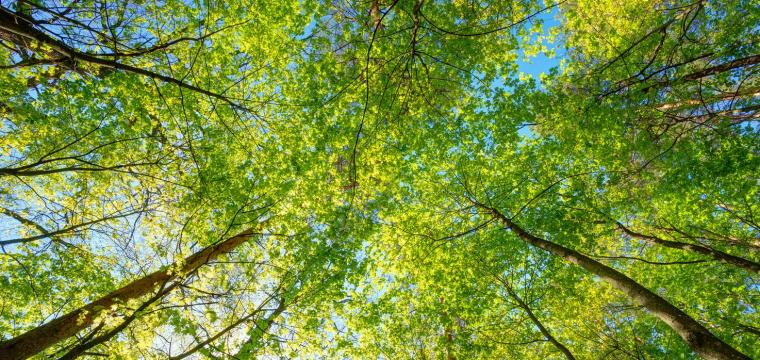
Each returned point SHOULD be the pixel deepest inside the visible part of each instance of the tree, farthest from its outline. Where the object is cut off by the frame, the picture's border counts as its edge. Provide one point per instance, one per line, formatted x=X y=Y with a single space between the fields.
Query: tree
x=423 y=196
x=44 y=336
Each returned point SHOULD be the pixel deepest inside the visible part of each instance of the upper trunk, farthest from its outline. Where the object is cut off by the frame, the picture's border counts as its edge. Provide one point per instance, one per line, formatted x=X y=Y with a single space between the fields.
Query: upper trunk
x=697 y=336
x=704 y=250
x=533 y=318
x=47 y=335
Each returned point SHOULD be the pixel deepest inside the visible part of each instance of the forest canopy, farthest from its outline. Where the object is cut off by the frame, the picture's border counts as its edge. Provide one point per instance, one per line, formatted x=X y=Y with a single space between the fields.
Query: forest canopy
x=380 y=179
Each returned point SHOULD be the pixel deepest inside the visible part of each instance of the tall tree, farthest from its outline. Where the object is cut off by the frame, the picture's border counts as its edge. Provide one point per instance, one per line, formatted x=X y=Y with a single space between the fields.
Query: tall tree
x=427 y=193
x=44 y=336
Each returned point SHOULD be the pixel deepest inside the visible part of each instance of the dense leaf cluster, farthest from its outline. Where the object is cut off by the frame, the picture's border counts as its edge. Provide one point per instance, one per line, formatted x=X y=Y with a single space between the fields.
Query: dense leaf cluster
x=379 y=179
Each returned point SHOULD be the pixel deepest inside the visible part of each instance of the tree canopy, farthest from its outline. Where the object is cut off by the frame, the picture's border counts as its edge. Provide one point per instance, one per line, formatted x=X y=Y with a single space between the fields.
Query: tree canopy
x=380 y=179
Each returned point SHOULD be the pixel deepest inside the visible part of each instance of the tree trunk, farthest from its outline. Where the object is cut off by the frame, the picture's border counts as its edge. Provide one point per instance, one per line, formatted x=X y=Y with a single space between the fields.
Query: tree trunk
x=697 y=336
x=544 y=331
x=19 y=30
x=749 y=265
x=47 y=335
x=211 y=339
x=260 y=328
x=80 y=349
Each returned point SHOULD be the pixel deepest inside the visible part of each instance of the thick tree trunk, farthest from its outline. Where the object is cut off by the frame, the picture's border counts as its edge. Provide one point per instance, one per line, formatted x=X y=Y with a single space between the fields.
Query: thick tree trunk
x=697 y=336
x=88 y=344
x=749 y=265
x=47 y=335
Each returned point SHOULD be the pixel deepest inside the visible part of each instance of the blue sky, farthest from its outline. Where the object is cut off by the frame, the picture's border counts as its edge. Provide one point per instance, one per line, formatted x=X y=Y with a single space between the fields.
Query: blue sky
x=541 y=63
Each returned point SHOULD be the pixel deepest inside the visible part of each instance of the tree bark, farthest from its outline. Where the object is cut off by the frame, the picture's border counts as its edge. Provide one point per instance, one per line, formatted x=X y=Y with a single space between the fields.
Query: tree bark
x=80 y=349
x=544 y=331
x=44 y=336
x=696 y=336
x=213 y=338
x=18 y=29
x=749 y=265
x=260 y=328
x=712 y=70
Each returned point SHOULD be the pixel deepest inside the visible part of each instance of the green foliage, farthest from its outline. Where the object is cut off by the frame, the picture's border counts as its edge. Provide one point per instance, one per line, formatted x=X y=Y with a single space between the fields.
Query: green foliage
x=360 y=141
